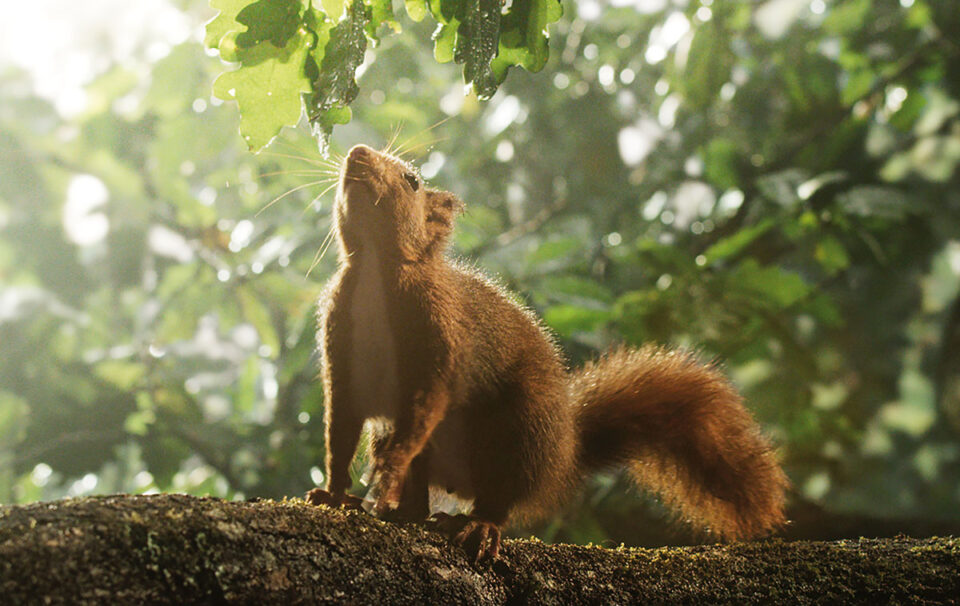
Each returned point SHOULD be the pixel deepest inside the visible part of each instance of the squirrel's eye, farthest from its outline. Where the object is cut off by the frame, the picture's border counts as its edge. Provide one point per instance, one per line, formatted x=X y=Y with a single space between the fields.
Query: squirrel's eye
x=412 y=181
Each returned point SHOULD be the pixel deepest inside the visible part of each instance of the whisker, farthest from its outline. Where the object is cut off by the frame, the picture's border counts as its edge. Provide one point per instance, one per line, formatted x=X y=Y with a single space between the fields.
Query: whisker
x=316 y=257
x=396 y=133
x=291 y=147
x=318 y=196
x=423 y=132
x=321 y=252
x=326 y=179
x=315 y=158
x=326 y=247
x=413 y=148
x=439 y=122
x=293 y=157
x=413 y=144
x=287 y=193
x=300 y=172
x=334 y=155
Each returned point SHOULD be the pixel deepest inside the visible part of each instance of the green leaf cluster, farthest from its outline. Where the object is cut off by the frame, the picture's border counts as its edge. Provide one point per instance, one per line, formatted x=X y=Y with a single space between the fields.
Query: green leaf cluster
x=288 y=49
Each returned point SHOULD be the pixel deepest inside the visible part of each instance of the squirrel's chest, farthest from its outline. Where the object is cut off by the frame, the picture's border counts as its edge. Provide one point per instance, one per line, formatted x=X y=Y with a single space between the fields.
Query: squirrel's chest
x=373 y=359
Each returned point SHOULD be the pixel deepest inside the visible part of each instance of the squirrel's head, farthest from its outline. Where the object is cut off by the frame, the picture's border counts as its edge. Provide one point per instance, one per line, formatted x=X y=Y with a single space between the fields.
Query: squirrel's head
x=382 y=202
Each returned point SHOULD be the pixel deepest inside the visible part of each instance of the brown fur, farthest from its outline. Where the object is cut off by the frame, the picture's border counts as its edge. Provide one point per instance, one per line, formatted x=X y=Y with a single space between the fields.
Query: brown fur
x=483 y=404
x=682 y=429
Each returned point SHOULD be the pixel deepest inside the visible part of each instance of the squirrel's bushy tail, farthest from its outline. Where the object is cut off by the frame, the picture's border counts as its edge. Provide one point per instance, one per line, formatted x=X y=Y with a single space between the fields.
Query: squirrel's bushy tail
x=682 y=430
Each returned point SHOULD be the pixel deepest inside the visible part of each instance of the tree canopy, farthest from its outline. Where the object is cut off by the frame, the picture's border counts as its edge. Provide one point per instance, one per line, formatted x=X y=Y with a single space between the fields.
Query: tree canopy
x=772 y=183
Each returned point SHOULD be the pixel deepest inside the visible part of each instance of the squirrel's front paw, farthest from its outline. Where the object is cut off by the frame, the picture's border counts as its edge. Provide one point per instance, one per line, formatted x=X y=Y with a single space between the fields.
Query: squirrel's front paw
x=390 y=488
x=385 y=505
x=319 y=496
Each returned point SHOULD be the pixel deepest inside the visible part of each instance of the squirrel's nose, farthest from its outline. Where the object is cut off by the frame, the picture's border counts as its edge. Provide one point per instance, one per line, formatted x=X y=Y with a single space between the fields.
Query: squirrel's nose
x=359 y=152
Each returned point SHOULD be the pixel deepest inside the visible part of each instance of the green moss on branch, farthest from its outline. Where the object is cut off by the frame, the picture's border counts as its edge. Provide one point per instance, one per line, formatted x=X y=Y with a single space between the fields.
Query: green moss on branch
x=180 y=549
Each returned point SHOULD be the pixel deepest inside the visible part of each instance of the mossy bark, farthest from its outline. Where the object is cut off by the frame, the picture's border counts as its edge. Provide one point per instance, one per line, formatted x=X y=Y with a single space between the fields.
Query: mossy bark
x=179 y=549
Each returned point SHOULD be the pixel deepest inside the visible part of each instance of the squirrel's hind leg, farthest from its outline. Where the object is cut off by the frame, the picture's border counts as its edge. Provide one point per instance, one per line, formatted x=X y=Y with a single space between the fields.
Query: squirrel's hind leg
x=508 y=458
x=479 y=538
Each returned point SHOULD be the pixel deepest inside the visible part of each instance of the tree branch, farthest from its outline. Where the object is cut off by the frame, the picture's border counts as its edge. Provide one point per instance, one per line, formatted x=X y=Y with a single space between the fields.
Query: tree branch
x=179 y=549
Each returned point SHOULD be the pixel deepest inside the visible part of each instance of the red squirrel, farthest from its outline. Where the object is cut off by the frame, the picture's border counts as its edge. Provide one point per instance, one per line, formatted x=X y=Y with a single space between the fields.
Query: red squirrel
x=478 y=400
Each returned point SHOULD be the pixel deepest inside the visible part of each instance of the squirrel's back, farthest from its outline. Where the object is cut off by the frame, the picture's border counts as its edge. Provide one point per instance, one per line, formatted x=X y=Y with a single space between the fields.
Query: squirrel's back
x=498 y=328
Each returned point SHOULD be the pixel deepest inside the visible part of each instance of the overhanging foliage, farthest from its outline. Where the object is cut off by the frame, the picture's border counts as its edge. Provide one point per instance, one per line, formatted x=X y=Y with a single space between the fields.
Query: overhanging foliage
x=292 y=48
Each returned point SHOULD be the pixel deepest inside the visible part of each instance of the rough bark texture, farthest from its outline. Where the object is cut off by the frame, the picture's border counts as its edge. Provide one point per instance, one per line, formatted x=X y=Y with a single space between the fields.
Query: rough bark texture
x=179 y=549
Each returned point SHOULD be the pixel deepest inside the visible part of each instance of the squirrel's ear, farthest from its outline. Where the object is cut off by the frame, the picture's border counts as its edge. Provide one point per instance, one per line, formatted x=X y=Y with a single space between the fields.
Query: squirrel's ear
x=445 y=202
x=442 y=210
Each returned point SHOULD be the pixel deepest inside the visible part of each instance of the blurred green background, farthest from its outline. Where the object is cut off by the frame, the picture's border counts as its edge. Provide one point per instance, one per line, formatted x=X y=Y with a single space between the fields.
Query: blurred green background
x=775 y=183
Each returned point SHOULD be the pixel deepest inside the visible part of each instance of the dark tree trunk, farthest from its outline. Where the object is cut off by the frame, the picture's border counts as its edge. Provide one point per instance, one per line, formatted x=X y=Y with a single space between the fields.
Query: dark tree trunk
x=179 y=549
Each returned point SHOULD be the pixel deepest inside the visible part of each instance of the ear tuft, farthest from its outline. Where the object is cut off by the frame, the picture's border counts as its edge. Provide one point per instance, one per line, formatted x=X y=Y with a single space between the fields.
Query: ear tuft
x=445 y=203
x=452 y=203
